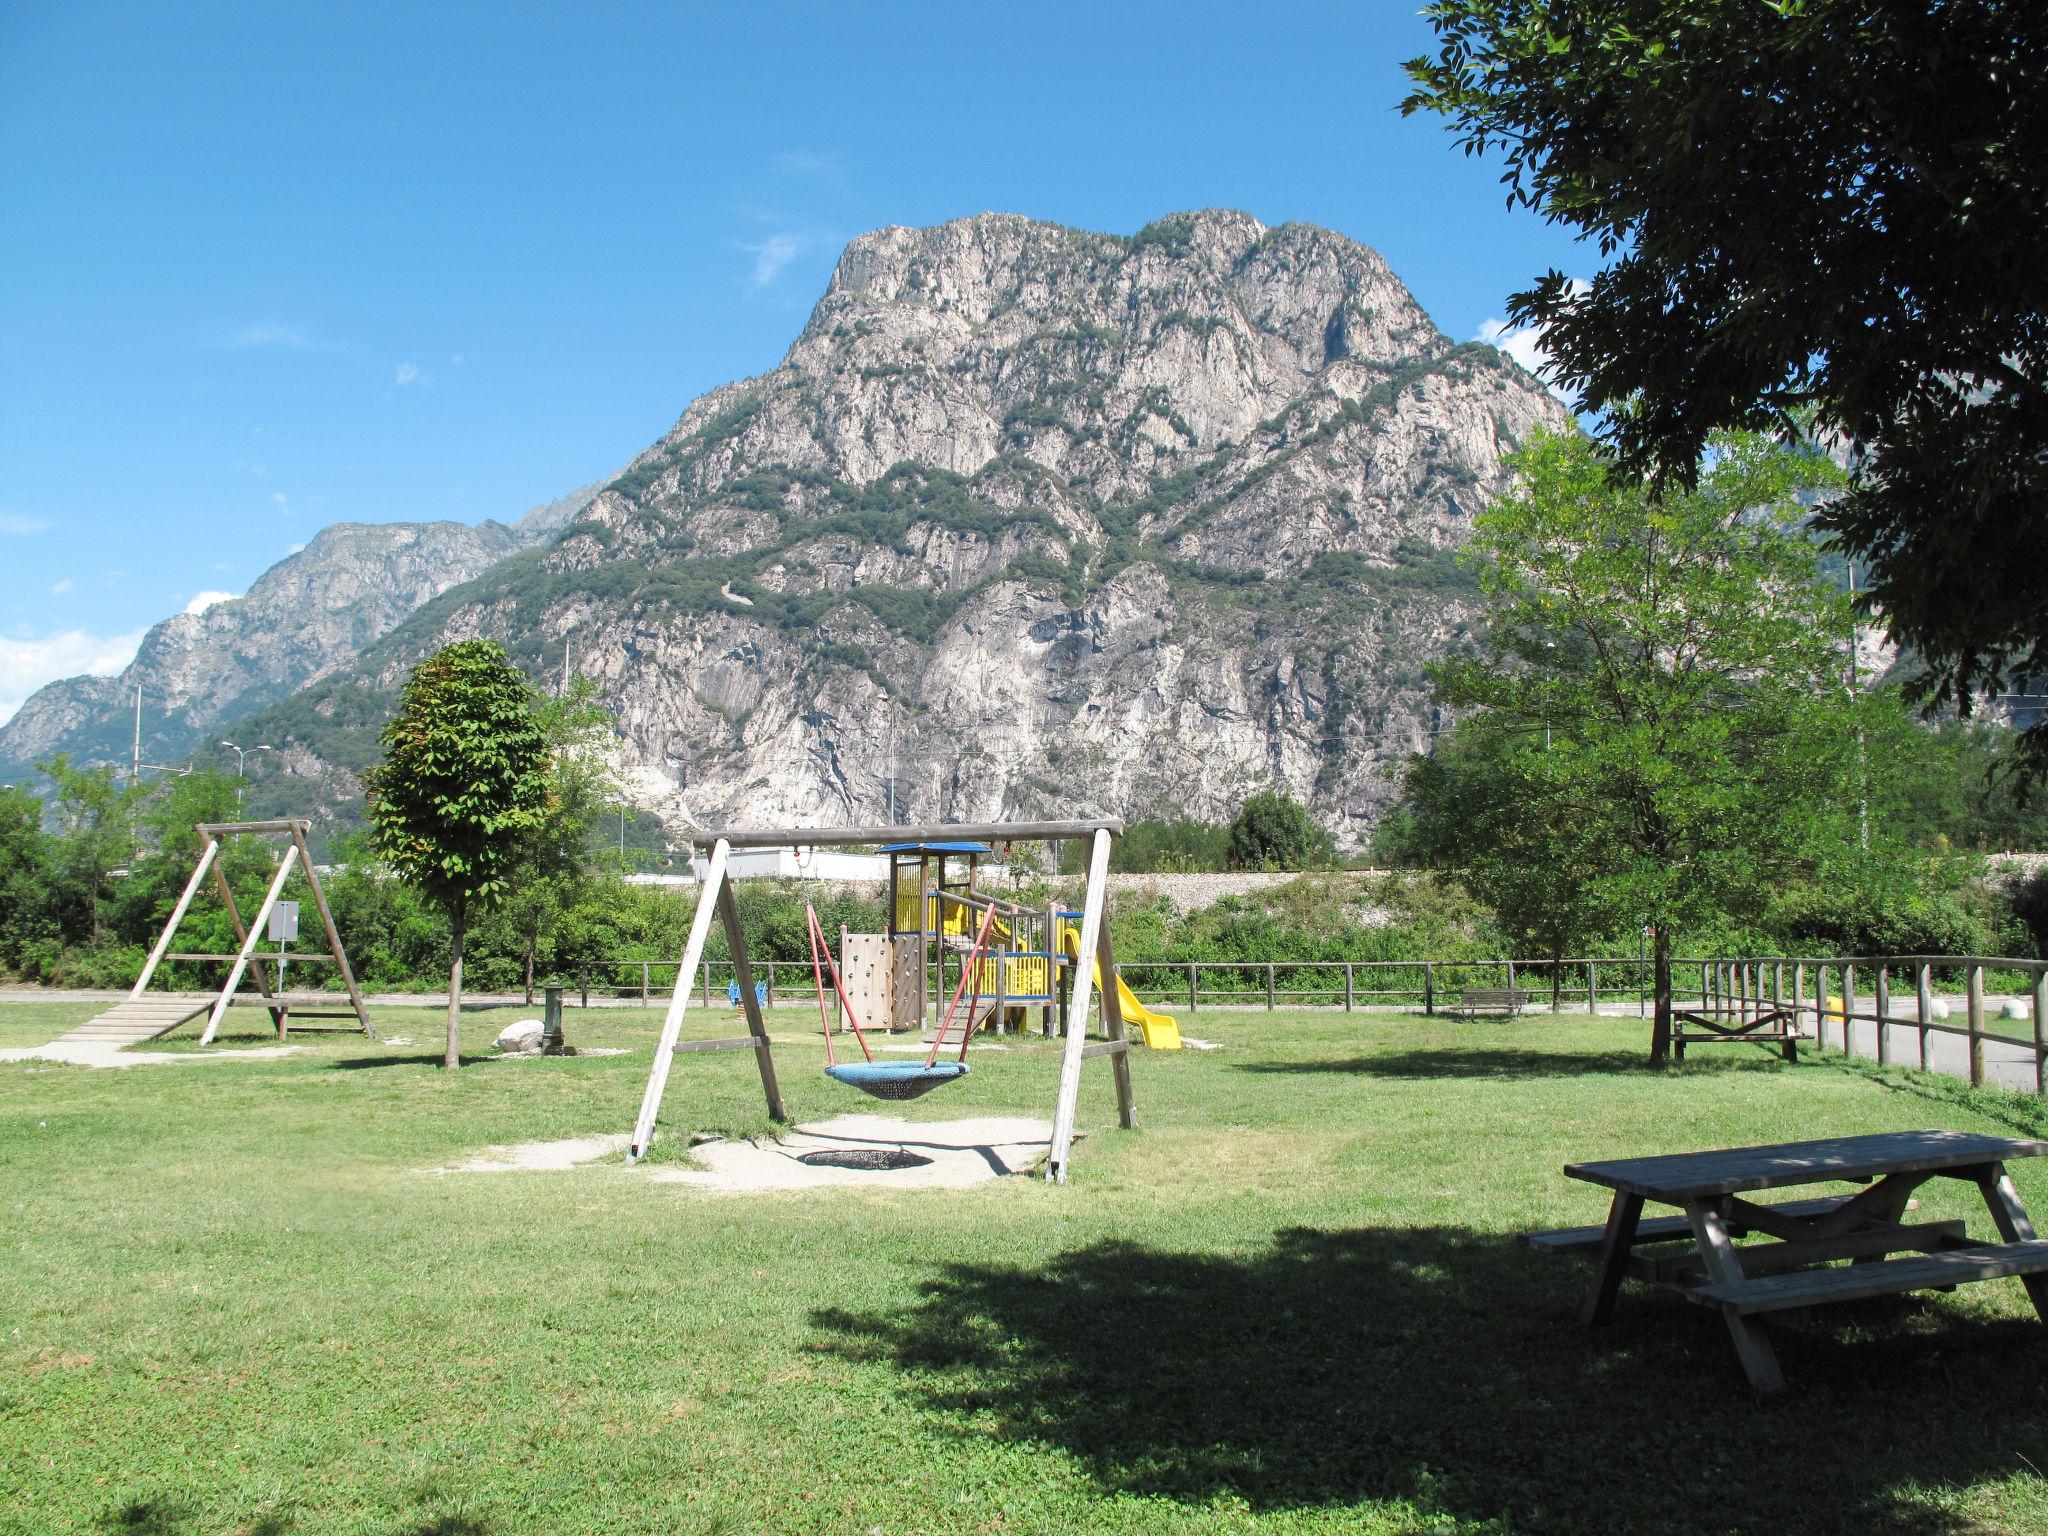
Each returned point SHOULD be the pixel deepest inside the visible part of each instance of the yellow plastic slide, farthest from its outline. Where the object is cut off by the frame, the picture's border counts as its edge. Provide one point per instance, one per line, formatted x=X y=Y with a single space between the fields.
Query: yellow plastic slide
x=1157 y=1030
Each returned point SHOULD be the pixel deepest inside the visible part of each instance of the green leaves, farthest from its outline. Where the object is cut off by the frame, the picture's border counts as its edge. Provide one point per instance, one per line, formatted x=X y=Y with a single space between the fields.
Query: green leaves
x=464 y=780
x=1810 y=206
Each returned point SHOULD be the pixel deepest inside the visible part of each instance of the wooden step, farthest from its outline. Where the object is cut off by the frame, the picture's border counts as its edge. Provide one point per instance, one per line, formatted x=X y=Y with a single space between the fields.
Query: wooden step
x=1664 y=1229
x=137 y=1019
x=1855 y=1282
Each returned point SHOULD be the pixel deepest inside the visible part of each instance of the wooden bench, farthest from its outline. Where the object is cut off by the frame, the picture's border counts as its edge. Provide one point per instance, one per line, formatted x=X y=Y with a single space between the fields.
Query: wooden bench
x=1857 y=1282
x=1666 y=1229
x=1766 y=1025
x=1508 y=1000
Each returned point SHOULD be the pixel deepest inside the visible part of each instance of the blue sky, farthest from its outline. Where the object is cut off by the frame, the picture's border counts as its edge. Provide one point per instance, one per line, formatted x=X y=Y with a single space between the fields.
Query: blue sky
x=264 y=268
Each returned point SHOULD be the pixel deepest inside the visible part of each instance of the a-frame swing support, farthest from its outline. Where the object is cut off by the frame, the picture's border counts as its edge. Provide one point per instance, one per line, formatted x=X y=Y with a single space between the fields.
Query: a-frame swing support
x=715 y=896
x=211 y=834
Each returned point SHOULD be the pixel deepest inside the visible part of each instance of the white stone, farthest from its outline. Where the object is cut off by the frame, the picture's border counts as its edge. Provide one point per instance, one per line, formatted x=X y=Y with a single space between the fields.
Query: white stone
x=522 y=1035
x=1937 y=1010
x=2014 y=1009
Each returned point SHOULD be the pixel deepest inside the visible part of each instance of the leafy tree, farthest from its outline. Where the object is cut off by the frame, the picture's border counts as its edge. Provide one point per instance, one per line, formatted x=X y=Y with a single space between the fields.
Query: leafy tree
x=1807 y=205
x=2030 y=905
x=28 y=879
x=462 y=791
x=96 y=828
x=559 y=860
x=1272 y=831
x=1480 y=809
x=1682 y=659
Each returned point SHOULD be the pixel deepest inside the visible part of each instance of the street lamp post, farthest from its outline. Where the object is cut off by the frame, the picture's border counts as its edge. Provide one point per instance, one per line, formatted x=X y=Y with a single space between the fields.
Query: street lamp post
x=241 y=753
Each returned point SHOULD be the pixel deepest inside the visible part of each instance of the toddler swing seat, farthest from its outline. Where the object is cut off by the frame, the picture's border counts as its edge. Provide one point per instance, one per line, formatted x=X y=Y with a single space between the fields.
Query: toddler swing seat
x=896 y=1079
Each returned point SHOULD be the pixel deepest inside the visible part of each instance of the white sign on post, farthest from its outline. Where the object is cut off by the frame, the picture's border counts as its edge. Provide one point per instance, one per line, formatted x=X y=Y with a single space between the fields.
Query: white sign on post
x=284 y=923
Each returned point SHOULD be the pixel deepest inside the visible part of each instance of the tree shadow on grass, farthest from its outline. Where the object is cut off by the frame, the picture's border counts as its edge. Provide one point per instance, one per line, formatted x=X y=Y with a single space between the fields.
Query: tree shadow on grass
x=1439 y=1369
x=422 y=1058
x=1465 y=1061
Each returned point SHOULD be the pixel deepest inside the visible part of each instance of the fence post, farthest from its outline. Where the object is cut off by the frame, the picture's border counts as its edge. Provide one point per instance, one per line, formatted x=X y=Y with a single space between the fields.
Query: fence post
x=1193 y=988
x=1706 y=986
x=707 y=981
x=1347 y=986
x=1511 y=975
x=1820 y=1005
x=1924 y=985
x=1592 y=989
x=643 y=983
x=583 y=980
x=1976 y=1023
x=2040 y=1031
x=1428 y=989
x=1884 y=1011
x=1269 y=986
x=1849 y=1009
x=1798 y=994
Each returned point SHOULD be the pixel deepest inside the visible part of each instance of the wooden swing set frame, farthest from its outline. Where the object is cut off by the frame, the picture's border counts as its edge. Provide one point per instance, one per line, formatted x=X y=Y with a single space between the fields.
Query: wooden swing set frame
x=282 y=1006
x=715 y=897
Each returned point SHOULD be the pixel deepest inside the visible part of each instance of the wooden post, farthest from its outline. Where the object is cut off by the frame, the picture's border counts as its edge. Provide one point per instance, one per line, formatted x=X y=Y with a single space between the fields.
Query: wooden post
x=1884 y=1011
x=707 y=983
x=1269 y=986
x=1849 y=1009
x=743 y=974
x=1976 y=972
x=1349 y=981
x=679 y=1000
x=1820 y=1006
x=1511 y=975
x=156 y=955
x=1799 y=994
x=1923 y=985
x=1193 y=988
x=1077 y=1016
x=220 y=1006
x=1428 y=989
x=348 y=975
x=583 y=980
x=2040 y=1031
x=1113 y=1027
x=1592 y=989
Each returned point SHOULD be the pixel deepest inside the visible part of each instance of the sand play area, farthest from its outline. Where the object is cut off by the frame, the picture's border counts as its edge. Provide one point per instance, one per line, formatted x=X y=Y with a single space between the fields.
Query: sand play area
x=876 y=1151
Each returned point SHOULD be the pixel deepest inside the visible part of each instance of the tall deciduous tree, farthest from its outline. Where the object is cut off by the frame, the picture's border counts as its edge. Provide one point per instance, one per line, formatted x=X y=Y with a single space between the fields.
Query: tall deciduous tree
x=1273 y=831
x=1676 y=665
x=1809 y=205
x=96 y=835
x=461 y=791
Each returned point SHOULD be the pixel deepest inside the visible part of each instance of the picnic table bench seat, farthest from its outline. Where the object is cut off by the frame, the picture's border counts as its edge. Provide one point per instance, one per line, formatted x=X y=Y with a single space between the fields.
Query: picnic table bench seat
x=1508 y=1000
x=1858 y=1282
x=1664 y=1229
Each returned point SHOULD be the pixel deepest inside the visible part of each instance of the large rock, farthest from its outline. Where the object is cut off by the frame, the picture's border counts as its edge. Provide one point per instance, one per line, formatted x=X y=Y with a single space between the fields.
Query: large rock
x=521 y=1035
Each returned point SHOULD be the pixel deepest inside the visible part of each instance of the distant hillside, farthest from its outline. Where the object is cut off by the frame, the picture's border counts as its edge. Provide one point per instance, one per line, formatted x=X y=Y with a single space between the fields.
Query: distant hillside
x=312 y=611
x=1079 y=521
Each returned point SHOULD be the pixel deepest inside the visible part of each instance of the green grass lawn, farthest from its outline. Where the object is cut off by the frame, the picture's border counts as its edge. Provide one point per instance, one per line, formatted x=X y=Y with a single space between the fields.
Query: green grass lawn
x=234 y=1302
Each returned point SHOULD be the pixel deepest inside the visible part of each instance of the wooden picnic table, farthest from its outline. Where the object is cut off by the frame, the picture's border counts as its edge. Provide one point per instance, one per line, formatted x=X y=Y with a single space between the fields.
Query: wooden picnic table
x=1769 y=1024
x=1711 y=1189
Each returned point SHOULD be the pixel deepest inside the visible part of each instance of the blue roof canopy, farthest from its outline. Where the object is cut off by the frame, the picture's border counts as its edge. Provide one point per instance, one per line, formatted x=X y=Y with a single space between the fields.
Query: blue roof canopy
x=935 y=848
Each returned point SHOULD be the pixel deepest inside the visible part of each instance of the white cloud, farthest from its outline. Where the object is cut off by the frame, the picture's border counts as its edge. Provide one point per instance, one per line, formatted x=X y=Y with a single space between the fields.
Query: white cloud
x=267 y=334
x=805 y=162
x=295 y=549
x=25 y=665
x=283 y=503
x=61 y=587
x=1525 y=343
x=771 y=256
x=408 y=373
x=14 y=522
x=202 y=601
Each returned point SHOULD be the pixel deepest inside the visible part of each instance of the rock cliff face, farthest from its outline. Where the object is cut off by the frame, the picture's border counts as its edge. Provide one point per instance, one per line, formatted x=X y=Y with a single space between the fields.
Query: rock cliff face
x=306 y=615
x=1028 y=520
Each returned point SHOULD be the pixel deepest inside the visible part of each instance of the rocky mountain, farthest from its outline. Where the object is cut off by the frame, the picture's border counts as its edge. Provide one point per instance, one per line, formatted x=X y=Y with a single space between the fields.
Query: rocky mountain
x=1028 y=520
x=311 y=612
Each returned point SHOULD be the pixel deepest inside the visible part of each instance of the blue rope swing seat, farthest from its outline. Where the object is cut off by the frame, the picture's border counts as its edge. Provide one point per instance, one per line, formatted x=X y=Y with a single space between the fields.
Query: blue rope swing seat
x=896 y=1079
